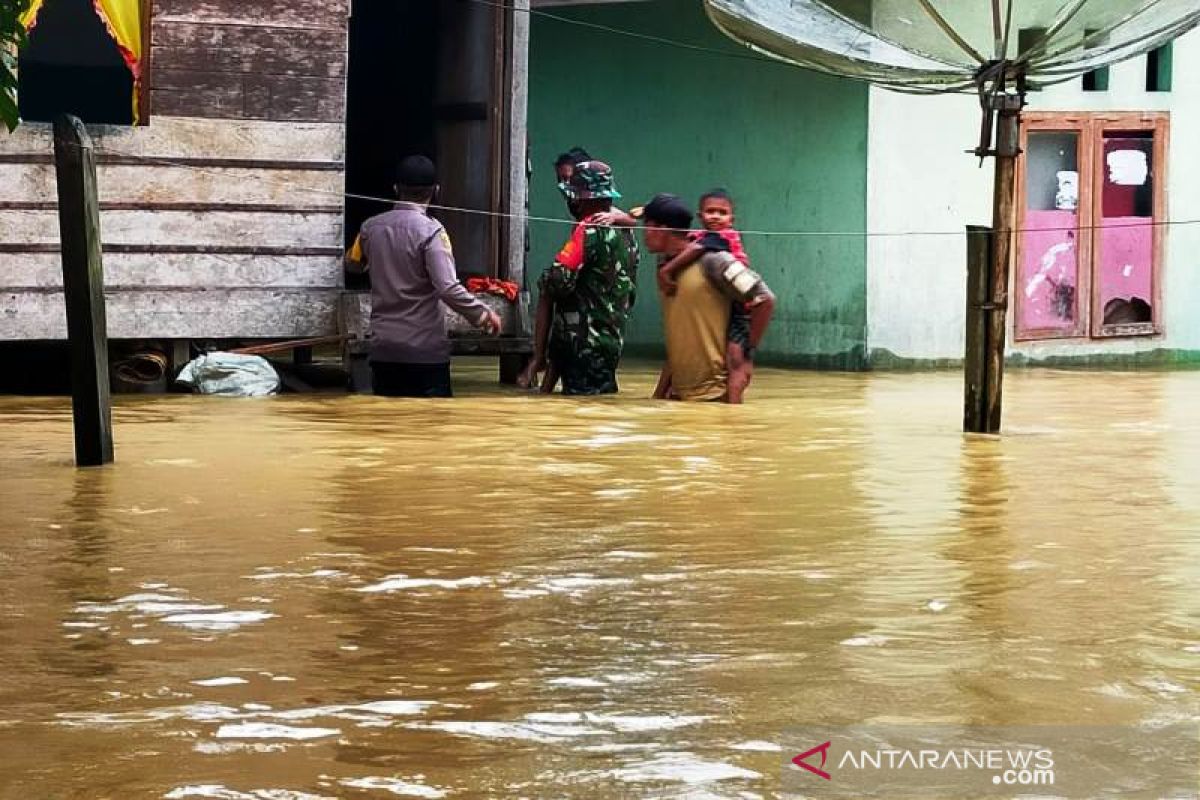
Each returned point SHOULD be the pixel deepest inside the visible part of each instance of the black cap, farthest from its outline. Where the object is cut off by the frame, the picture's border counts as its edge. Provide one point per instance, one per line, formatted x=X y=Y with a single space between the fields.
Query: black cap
x=416 y=172
x=669 y=211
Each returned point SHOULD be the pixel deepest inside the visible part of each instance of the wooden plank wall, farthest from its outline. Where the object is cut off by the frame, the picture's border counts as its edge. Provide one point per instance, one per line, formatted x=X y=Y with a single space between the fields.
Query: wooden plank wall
x=223 y=217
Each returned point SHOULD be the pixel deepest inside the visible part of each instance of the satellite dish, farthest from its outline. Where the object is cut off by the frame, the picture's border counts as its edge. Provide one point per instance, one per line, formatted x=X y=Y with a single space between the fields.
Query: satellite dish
x=997 y=48
x=953 y=45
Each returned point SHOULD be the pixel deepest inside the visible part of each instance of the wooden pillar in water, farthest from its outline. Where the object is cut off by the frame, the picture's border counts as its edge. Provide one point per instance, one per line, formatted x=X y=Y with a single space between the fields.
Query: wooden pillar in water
x=1007 y=150
x=83 y=288
x=985 y=356
x=979 y=259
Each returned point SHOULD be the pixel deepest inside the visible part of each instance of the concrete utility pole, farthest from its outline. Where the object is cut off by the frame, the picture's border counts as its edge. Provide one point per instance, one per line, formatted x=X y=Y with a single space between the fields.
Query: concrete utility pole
x=83 y=286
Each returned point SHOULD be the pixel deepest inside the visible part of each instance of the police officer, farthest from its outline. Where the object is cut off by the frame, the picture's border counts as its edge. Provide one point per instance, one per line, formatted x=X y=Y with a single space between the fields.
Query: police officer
x=412 y=269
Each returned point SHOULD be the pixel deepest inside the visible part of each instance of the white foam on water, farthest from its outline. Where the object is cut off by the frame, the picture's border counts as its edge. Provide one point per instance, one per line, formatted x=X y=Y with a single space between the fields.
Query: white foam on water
x=682 y=768
x=617 y=494
x=217 y=621
x=267 y=730
x=554 y=716
x=624 y=723
x=256 y=707
x=224 y=681
x=450 y=550
x=214 y=790
x=228 y=747
x=359 y=711
x=199 y=712
x=524 y=594
x=153 y=609
x=581 y=583
x=578 y=683
x=219 y=792
x=618 y=747
x=628 y=678
x=148 y=597
x=394 y=786
x=871 y=640
x=664 y=577
x=95 y=609
x=482 y=686
x=611 y=440
x=138 y=511
x=1162 y=686
x=937 y=606
x=81 y=624
x=283 y=679
x=393 y=583
x=757 y=746
x=628 y=554
x=316 y=573
x=545 y=733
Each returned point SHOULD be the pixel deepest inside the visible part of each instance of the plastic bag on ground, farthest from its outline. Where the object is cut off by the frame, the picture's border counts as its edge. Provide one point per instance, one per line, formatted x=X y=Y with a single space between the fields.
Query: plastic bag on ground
x=230 y=375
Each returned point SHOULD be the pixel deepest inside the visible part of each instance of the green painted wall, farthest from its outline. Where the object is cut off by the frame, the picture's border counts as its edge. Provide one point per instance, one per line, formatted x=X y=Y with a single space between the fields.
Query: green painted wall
x=791 y=146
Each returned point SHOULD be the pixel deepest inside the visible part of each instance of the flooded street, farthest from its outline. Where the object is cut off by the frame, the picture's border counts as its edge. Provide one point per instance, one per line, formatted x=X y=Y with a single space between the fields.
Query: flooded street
x=504 y=596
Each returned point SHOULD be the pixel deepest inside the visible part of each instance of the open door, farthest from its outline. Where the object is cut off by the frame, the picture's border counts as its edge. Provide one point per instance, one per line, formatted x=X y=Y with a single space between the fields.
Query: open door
x=432 y=77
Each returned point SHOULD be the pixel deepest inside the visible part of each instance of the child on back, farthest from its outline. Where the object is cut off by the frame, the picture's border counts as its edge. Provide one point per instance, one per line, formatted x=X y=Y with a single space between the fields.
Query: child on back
x=717 y=217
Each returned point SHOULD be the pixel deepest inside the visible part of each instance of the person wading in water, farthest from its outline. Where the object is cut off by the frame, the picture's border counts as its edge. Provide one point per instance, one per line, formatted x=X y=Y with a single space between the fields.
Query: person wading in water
x=412 y=272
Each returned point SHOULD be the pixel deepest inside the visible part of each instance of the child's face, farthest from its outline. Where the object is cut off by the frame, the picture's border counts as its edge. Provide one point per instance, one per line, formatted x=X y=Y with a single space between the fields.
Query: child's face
x=716 y=213
x=565 y=171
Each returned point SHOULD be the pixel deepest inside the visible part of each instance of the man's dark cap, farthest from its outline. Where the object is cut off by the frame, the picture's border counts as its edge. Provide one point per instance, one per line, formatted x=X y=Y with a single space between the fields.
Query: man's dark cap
x=416 y=172
x=669 y=211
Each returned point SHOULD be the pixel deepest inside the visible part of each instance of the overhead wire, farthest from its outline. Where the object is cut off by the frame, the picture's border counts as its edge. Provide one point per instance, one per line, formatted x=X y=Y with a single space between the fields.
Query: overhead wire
x=391 y=201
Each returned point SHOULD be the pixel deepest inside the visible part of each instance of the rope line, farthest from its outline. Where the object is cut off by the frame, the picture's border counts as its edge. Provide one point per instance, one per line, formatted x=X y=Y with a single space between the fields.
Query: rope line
x=645 y=37
x=570 y=222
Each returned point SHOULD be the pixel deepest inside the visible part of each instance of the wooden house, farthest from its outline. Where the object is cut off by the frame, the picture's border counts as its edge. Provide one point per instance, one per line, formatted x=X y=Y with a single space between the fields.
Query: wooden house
x=229 y=134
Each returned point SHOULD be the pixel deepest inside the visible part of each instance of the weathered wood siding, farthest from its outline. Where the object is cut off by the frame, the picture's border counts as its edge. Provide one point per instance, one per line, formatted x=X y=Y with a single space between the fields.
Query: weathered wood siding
x=222 y=217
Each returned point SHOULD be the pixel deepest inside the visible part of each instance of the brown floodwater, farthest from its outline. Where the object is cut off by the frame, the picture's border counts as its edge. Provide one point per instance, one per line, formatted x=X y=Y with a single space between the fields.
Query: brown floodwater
x=507 y=596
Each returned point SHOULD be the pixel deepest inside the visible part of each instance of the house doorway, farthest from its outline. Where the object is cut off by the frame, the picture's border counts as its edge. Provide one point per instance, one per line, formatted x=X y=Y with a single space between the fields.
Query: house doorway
x=428 y=77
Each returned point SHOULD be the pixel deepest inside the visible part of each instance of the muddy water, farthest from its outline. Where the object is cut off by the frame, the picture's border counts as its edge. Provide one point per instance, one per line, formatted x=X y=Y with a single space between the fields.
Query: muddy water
x=510 y=597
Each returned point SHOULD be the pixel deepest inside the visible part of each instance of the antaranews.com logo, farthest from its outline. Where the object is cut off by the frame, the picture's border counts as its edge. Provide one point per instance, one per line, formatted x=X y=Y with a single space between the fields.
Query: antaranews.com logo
x=1009 y=767
x=967 y=762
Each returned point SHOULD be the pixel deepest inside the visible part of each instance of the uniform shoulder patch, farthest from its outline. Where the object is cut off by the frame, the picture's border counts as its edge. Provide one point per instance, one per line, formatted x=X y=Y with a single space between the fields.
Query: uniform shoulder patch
x=571 y=255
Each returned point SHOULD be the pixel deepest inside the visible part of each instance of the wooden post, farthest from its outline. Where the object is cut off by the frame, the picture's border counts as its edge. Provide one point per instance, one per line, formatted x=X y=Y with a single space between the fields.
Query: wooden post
x=979 y=260
x=1004 y=203
x=83 y=287
x=517 y=202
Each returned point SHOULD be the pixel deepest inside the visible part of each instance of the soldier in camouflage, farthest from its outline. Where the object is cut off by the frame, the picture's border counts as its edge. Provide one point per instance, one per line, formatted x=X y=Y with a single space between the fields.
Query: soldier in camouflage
x=593 y=286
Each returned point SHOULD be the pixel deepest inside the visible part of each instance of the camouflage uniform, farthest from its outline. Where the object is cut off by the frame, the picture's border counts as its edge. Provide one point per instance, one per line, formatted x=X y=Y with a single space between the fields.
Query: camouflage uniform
x=593 y=285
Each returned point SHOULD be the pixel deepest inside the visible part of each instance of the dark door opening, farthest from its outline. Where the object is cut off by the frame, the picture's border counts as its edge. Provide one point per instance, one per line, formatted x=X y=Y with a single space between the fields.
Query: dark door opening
x=425 y=77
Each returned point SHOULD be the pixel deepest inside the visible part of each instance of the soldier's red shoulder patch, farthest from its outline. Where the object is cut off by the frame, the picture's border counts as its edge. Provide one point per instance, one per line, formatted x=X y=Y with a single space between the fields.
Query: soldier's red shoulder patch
x=572 y=253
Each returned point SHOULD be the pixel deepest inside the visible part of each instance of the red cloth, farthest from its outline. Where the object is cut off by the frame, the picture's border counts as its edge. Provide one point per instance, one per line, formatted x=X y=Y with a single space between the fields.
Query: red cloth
x=572 y=253
x=506 y=289
x=733 y=239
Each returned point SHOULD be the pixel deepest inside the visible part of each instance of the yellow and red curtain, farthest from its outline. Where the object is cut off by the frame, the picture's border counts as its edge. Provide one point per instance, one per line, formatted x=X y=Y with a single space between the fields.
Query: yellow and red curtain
x=123 y=21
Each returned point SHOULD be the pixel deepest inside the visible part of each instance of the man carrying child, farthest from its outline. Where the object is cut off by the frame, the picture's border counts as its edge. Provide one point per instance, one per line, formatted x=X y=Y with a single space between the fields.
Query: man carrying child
x=715 y=309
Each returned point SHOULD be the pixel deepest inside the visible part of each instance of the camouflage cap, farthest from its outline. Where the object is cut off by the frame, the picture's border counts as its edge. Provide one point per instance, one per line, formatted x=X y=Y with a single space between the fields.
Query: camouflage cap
x=591 y=180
